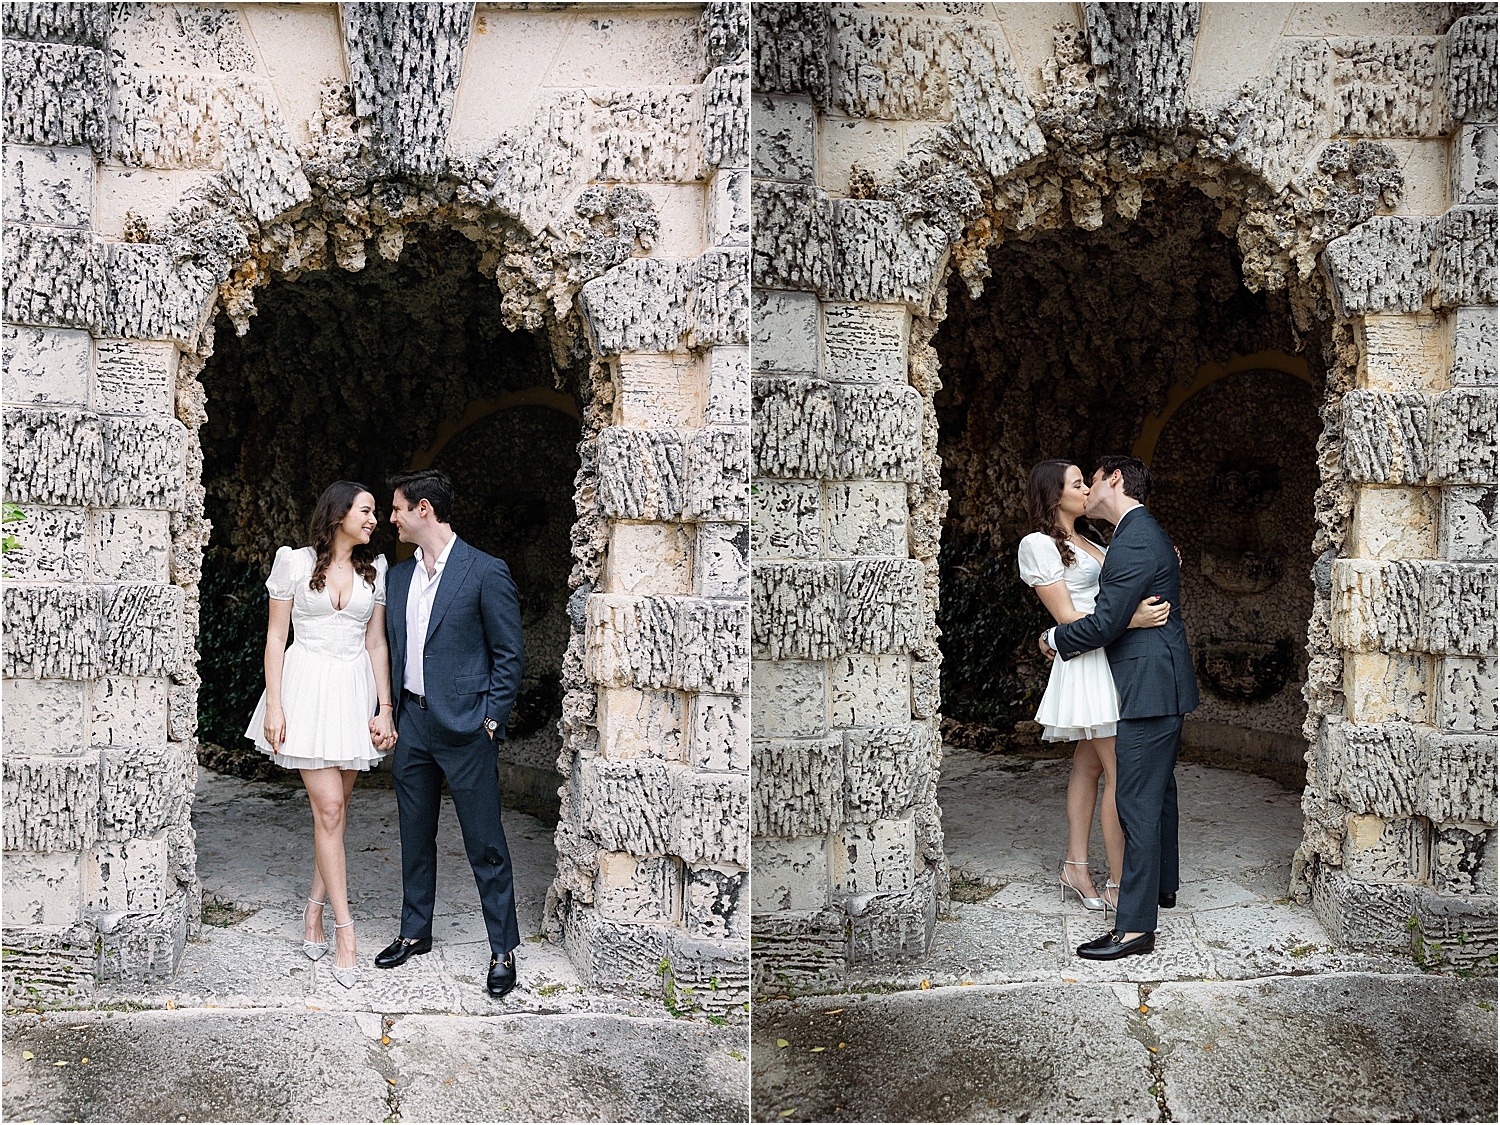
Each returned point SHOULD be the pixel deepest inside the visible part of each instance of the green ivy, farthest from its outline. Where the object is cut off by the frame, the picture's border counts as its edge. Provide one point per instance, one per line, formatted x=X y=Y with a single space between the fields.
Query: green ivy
x=990 y=619
x=231 y=646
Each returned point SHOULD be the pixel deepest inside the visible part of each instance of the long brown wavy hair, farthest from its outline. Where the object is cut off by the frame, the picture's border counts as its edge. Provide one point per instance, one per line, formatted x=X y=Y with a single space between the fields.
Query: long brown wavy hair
x=328 y=513
x=1044 y=489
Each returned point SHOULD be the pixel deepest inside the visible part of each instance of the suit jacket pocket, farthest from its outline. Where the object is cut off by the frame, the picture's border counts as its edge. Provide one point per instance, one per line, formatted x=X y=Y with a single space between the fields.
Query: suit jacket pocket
x=1147 y=684
x=471 y=685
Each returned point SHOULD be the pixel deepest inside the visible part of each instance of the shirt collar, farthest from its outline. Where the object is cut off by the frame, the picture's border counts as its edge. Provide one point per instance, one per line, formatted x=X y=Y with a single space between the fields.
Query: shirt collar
x=442 y=558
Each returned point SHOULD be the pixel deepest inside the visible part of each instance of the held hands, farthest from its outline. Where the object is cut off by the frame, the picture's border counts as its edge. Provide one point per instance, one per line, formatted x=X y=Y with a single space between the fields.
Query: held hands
x=274 y=728
x=1151 y=613
x=382 y=730
x=1047 y=650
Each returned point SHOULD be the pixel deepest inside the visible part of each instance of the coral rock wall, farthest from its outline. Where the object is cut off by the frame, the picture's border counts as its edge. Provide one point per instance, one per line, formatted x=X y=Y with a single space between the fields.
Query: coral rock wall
x=163 y=162
x=1350 y=153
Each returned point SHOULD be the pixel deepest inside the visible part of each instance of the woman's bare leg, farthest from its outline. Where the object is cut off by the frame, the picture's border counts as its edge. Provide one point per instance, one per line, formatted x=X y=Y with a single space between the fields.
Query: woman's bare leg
x=1109 y=818
x=1083 y=790
x=329 y=791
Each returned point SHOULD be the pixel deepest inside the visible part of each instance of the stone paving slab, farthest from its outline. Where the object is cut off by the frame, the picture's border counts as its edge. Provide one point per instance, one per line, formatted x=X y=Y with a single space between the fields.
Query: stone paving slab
x=537 y=1068
x=1343 y=1047
x=1040 y=1052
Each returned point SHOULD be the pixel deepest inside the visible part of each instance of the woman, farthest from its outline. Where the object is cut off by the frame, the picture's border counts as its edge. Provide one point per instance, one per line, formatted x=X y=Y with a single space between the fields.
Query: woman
x=1063 y=565
x=321 y=693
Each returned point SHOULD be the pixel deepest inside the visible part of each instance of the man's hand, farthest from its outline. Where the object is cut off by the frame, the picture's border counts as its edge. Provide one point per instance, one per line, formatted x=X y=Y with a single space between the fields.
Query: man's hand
x=1047 y=651
x=382 y=730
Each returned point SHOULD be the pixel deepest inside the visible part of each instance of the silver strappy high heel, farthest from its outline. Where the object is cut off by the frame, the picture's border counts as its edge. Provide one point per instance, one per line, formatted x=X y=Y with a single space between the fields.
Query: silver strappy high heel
x=313 y=949
x=1111 y=907
x=348 y=977
x=1064 y=886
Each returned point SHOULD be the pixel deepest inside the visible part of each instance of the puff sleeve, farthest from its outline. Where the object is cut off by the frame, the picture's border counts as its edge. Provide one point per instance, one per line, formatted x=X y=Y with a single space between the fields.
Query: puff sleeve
x=380 y=569
x=1039 y=560
x=284 y=574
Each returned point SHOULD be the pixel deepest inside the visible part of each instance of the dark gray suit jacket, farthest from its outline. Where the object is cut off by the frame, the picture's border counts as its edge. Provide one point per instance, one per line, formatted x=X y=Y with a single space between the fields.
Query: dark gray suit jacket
x=471 y=666
x=1153 y=668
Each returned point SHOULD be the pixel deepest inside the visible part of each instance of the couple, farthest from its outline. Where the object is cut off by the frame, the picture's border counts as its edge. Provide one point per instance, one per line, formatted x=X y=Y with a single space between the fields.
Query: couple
x=451 y=646
x=1122 y=685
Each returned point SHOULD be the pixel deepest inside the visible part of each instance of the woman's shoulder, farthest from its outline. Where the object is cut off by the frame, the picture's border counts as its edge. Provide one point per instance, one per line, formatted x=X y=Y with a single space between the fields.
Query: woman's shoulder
x=1040 y=541
x=380 y=564
x=293 y=556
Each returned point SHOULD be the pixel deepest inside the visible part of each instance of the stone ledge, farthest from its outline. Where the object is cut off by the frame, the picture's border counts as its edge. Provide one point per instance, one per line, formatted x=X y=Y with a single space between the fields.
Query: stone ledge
x=1414 y=606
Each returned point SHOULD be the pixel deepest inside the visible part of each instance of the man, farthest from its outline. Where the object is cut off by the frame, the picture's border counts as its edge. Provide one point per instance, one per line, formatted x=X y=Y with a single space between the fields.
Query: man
x=453 y=623
x=1153 y=672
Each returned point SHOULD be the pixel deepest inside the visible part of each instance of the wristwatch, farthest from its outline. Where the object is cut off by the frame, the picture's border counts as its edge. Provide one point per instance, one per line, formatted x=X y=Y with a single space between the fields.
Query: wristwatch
x=490 y=727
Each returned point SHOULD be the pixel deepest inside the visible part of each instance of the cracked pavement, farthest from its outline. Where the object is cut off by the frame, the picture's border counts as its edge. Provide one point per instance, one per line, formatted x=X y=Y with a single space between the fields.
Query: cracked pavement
x=1246 y=1011
x=250 y=1030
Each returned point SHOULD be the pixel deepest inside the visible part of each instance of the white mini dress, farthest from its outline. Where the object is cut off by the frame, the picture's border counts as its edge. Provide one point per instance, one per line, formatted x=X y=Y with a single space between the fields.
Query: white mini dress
x=327 y=681
x=1081 y=700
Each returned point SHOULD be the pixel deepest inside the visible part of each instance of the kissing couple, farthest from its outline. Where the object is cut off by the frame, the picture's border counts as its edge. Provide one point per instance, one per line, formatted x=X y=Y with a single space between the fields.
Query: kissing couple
x=1121 y=682
x=424 y=659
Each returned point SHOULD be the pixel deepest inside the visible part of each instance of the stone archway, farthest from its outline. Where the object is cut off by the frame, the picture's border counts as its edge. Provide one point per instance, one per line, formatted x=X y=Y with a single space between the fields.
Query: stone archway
x=612 y=223
x=892 y=148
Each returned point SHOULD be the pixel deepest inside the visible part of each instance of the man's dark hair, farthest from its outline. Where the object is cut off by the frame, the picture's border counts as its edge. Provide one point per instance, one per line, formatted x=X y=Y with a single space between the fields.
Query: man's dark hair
x=1133 y=472
x=431 y=485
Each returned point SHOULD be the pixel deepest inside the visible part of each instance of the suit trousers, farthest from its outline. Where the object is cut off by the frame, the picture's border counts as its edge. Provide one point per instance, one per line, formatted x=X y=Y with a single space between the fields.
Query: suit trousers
x=1146 y=799
x=422 y=762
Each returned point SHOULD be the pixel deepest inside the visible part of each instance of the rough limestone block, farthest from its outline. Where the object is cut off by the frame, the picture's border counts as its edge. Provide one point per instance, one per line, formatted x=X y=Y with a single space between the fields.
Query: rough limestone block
x=52 y=546
x=132 y=546
x=611 y=954
x=804 y=949
x=1466 y=693
x=784 y=139
x=1471 y=165
x=866 y=691
x=846 y=143
x=728 y=399
x=716 y=902
x=128 y=711
x=1411 y=606
x=1458 y=776
x=1387 y=87
x=726 y=116
x=55 y=94
x=865 y=343
x=154 y=297
x=46 y=366
x=926 y=688
x=1381 y=688
x=710 y=820
x=790 y=874
x=1458 y=608
x=127 y=877
x=1456 y=933
x=135 y=377
x=404 y=64
x=84 y=24
x=53 y=278
x=641 y=724
x=641 y=473
x=1466 y=529
x=791 y=49
x=722 y=561
x=719 y=732
x=787 y=521
x=631 y=889
x=45 y=717
x=648 y=135
x=791 y=699
x=1476 y=339
x=784 y=334
x=144 y=789
x=894 y=928
x=866 y=518
x=992 y=115
x=1470 y=85
x=713 y=646
x=145 y=947
x=182 y=706
x=691 y=644
x=791 y=232
x=142 y=630
x=717 y=460
x=1147 y=52
x=1290 y=112
x=1403 y=353
x=729 y=208
x=883 y=605
x=640 y=305
x=885 y=770
x=1375 y=768
x=51 y=187
x=886 y=65
x=875 y=858
x=649 y=558
x=42 y=890
x=1386 y=851
x=1366 y=915
x=627 y=803
x=47 y=964
x=1383 y=265
x=795 y=428
x=1464 y=437
x=1463 y=859
x=1395 y=523
x=796 y=611
x=879 y=432
x=1387 y=437
x=52 y=632
x=51 y=803
x=799 y=786
x=54 y=457
x=1467 y=257
x=879 y=257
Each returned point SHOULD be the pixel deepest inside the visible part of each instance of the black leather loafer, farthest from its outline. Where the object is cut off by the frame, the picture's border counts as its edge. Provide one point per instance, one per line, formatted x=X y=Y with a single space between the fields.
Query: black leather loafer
x=1111 y=948
x=1166 y=900
x=502 y=976
x=399 y=950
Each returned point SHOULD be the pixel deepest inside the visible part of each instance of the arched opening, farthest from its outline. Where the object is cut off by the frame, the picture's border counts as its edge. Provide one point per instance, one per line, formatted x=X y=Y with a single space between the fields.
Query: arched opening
x=1136 y=336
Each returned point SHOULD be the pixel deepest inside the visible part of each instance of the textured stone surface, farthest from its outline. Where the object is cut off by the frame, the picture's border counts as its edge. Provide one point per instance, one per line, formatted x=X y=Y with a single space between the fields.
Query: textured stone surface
x=51 y=804
x=1470 y=85
x=1384 y=265
x=53 y=632
x=1472 y=165
x=667 y=642
x=1475 y=343
x=1413 y=606
x=58 y=94
x=1399 y=769
x=1147 y=51
x=46 y=366
x=1466 y=258
x=1466 y=692
x=49 y=186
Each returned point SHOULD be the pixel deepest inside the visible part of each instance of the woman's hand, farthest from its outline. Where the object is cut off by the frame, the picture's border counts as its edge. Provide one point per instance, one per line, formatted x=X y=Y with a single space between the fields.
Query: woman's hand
x=382 y=730
x=274 y=728
x=1150 y=614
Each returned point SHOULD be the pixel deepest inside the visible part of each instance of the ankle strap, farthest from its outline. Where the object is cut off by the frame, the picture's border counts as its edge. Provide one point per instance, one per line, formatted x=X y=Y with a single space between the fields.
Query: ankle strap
x=343 y=925
x=315 y=902
x=1077 y=862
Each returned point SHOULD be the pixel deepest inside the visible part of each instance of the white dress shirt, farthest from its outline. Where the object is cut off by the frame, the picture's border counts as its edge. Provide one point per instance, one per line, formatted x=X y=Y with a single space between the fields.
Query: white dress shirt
x=419 y=599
